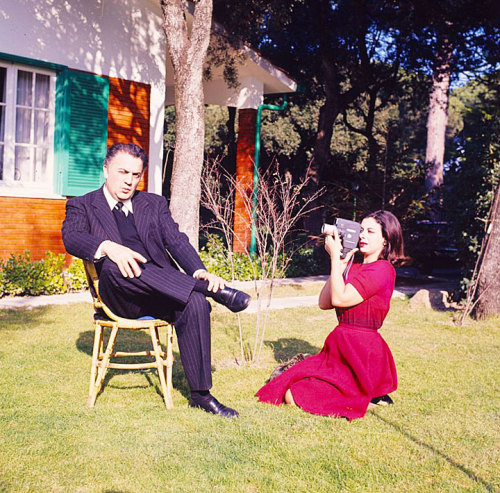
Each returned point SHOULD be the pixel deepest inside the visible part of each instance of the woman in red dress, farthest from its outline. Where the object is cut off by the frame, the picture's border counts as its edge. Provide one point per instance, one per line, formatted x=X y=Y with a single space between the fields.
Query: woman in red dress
x=355 y=365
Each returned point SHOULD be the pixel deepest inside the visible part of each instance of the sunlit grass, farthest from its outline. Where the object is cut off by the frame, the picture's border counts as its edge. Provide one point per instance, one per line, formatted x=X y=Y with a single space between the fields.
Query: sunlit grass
x=309 y=288
x=442 y=434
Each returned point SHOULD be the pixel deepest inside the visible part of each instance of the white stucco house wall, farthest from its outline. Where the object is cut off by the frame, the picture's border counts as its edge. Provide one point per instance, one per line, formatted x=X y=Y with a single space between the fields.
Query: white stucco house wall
x=76 y=76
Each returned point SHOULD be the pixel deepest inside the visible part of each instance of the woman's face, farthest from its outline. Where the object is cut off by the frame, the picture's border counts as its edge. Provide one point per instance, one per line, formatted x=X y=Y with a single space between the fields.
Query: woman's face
x=371 y=241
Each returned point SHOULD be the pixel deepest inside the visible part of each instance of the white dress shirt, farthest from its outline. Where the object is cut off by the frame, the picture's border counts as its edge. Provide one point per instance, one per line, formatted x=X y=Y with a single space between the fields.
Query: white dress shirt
x=127 y=208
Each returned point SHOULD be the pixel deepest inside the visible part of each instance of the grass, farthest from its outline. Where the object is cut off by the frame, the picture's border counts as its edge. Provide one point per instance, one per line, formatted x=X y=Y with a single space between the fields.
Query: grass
x=309 y=288
x=442 y=434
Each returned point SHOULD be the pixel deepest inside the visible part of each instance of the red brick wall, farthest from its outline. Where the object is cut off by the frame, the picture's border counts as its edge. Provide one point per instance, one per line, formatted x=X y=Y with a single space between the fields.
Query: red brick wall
x=31 y=224
x=128 y=115
x=244 y=177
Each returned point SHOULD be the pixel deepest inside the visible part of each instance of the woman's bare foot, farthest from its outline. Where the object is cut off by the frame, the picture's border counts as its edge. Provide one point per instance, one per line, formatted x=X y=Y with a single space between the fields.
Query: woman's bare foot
x=289 y=398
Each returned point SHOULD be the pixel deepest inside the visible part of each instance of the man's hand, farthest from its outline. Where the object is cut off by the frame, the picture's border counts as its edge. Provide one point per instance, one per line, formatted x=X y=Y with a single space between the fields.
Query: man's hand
x=125 y=258
x=214 y=282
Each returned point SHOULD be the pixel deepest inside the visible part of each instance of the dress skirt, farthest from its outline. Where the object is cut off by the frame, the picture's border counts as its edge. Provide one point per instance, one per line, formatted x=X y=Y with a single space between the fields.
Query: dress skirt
x=354 y=366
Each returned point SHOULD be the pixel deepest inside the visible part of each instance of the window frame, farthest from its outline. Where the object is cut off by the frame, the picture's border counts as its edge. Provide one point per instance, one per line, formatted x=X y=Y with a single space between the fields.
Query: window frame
x=9 y=186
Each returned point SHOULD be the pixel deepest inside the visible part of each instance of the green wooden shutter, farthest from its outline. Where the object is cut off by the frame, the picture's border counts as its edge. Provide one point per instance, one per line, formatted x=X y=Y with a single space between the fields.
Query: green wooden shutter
x=81 y=131
x=61 y=130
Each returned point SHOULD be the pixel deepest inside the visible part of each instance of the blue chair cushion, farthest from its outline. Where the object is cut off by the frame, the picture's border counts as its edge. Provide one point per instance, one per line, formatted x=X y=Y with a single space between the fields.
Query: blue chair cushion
x=100 y=315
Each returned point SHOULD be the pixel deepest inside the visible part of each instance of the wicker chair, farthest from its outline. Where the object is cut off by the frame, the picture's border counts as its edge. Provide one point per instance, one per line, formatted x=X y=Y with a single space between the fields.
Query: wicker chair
x=101 y=359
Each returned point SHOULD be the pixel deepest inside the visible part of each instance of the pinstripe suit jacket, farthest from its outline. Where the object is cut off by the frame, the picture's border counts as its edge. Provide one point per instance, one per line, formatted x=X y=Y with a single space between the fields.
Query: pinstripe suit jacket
x=89 y=221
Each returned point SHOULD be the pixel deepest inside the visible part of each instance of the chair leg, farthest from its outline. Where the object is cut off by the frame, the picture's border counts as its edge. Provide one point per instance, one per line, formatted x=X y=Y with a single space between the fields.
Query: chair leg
x=103 y=367
x=101 y=343
x=167 y=397
x=96 y=351
x=170 y=359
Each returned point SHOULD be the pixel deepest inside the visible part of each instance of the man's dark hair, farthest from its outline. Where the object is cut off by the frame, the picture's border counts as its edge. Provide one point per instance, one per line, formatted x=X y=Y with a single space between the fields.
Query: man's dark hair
x=131 y=149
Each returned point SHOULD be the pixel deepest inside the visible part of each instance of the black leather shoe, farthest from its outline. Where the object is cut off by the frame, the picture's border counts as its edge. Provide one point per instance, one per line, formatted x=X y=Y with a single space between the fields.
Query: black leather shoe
x=211 y=405
x=383 y=400
x=231 y=298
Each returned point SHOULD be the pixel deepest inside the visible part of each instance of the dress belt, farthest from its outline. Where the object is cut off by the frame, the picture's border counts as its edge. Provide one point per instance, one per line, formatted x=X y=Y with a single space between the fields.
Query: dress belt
x=357 y=327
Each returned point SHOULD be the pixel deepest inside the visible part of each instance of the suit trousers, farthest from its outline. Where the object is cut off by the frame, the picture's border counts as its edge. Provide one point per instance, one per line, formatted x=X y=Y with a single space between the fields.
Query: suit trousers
x=146 y=295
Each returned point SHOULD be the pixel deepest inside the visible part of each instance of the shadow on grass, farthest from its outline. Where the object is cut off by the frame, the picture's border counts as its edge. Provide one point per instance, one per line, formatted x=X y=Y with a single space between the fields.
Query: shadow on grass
x=284 y=349
x=129 y=340
x=471 y=474
x=21 y=318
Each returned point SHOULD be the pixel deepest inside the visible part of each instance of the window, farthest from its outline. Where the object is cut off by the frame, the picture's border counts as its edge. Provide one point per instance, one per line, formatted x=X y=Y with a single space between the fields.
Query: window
x=26 y=130
x=3 y=78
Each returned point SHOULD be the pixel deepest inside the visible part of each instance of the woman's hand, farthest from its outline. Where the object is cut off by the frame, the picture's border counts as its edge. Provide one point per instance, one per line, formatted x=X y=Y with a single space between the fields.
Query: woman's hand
x=333 y=245
x=335 y=292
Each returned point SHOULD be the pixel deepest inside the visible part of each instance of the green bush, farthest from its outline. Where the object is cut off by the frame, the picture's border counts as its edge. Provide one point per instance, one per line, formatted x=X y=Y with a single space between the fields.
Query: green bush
x=303 y=263
x=216 y=257
x=20 y=275
x=217 y=260
x=74 y=276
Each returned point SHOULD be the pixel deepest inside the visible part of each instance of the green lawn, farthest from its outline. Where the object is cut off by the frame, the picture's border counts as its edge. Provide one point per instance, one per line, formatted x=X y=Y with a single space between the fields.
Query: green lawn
x=442 y=434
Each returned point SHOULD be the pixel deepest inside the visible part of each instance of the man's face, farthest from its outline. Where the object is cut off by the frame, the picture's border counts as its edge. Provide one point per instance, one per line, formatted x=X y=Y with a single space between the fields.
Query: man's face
x=123 y=174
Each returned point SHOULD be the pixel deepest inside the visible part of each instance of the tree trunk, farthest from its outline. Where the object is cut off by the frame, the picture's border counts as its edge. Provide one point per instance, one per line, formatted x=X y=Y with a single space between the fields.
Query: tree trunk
x=437 y=121
x=373 y=147
x=321 y=156
x=231 y=139
x=488 y=283
x=187 y=51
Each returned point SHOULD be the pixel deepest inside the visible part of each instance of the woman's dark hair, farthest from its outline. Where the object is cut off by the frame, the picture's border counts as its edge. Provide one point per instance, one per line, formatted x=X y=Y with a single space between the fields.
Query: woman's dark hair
x=132 y=149
x=392 y=233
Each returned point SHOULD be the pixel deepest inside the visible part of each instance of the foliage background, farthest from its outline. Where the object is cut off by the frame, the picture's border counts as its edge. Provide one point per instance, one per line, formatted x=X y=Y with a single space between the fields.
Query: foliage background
x=473 y=164
x=399 y=129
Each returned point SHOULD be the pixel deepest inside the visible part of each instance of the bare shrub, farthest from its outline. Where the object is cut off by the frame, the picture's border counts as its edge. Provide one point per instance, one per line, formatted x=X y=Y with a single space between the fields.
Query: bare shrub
x=274 y=211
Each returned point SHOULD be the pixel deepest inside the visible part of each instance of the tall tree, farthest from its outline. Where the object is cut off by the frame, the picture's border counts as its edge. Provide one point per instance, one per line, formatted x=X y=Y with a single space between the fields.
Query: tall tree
x=338 y=49
x=187 y=46
x=437 y=120
x=446 y=39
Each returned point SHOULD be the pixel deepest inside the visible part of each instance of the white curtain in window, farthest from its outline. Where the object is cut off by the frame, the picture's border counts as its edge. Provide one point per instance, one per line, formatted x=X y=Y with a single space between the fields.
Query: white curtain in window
x=23 y=126
x=2 y=123
x=3 y=82
x=41 y=127
x=23 y=167
x=32 y=126
x=26 y=125
x=24 y=88
x=40 y=163
x=42 y=85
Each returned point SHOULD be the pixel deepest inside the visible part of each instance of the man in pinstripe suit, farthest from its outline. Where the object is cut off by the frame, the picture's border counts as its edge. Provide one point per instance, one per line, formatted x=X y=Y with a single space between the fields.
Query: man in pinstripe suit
x=136 y=245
